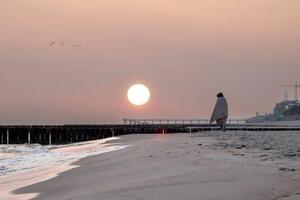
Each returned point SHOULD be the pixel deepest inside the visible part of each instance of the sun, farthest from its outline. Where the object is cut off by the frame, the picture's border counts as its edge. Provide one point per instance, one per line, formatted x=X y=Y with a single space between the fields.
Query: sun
x=138 y=94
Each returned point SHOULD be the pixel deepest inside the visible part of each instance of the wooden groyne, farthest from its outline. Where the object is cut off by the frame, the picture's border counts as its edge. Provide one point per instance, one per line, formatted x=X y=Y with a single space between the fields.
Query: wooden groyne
x=58 y=134
x=63 y=134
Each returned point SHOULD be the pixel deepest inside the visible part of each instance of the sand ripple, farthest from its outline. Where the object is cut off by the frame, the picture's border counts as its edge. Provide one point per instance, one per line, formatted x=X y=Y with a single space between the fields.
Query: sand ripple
x=272 y=145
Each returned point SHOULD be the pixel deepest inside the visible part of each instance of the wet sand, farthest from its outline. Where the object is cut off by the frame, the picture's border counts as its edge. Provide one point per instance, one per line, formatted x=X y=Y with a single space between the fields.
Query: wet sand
x=174 y=166
x=40 y=171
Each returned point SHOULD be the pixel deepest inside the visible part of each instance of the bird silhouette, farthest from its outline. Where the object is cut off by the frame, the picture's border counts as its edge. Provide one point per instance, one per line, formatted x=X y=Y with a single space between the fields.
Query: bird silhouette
x=51 y=43
x=63 y=44
x=77 y=45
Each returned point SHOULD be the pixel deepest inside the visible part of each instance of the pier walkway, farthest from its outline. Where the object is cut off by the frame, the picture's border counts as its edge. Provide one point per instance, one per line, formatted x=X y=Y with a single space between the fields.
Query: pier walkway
x=178 y=121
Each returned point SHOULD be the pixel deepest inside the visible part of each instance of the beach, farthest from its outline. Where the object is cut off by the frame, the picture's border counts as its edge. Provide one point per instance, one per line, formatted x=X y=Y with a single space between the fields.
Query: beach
x=23 y=165
x=178 y=166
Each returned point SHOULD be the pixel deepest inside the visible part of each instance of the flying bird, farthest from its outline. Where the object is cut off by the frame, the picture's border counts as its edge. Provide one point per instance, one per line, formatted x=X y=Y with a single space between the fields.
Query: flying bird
x=63 y=44
x=77 y=45
x=51 y=43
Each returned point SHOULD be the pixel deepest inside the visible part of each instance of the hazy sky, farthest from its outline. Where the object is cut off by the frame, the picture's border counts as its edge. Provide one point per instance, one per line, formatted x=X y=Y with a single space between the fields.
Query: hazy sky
x=185 y=51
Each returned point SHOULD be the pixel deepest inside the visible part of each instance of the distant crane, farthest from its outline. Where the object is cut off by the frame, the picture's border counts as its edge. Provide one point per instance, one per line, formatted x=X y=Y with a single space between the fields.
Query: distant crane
x=296 y=86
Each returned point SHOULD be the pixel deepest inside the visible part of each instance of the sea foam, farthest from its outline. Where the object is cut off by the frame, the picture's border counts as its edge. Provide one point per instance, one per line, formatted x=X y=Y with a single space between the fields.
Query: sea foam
x=18 y=158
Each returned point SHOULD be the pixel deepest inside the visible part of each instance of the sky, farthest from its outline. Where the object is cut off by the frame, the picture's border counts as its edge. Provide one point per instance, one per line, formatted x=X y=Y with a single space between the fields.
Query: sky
x=184 y=51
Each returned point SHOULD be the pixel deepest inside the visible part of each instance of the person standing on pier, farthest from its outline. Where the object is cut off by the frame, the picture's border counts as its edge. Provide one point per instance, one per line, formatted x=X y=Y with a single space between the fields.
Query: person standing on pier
x=220 y=112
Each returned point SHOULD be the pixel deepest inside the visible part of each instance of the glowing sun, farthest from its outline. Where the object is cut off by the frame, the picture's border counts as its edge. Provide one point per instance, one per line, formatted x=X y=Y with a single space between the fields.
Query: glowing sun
x=138 y=94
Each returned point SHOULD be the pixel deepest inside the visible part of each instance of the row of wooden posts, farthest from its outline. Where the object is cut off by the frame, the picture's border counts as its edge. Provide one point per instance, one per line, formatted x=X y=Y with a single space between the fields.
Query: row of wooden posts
x=76 y=133
x=49 y=137
x=54 y=136
x=64 y=134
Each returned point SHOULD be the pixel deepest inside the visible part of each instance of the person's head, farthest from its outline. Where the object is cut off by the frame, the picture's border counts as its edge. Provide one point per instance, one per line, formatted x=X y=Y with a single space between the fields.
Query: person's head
x=220 y=94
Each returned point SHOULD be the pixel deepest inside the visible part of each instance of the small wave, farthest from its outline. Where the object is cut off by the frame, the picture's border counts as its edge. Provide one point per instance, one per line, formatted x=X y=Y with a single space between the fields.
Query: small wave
x=30 y=156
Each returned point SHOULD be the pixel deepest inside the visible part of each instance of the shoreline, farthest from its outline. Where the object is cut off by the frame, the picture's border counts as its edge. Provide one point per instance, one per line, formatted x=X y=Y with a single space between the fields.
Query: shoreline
x=16 y=180
x=174 y=166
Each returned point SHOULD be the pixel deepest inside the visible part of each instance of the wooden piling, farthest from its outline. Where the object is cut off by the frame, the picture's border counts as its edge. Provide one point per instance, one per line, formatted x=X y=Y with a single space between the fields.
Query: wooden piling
x=50 y=139
x=7 y=136
x=112 y=132
x=29 y=137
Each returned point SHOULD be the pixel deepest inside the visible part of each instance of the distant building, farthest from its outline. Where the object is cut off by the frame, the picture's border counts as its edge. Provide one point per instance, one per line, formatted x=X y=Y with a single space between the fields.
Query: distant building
x=279 y=113
x=281 y=107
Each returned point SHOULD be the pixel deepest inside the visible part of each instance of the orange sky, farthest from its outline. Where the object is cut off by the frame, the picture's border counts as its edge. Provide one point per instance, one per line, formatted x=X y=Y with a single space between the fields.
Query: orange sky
x=185 y=51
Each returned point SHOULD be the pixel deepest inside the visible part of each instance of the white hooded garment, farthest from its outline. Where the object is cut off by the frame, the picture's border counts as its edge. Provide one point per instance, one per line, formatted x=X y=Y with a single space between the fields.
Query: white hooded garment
x=220 y=113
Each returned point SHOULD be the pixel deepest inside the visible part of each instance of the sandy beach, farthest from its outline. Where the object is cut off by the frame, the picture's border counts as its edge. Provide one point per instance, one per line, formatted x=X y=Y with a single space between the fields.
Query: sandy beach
x=176 y=166
x=23 y=165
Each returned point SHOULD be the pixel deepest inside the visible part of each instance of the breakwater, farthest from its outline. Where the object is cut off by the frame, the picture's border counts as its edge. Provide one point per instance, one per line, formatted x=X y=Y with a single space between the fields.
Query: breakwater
x=63 y=134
